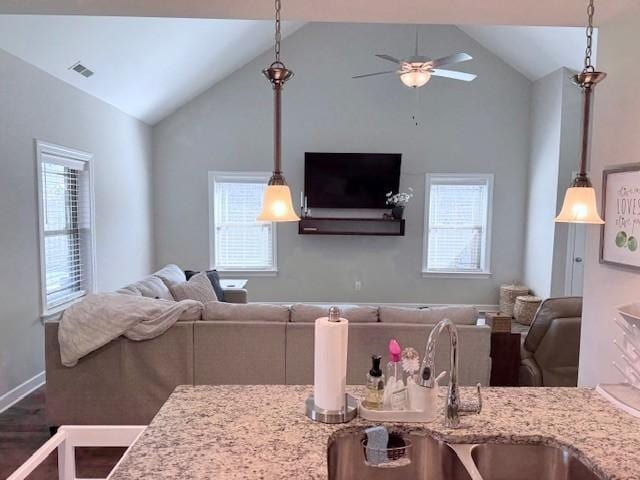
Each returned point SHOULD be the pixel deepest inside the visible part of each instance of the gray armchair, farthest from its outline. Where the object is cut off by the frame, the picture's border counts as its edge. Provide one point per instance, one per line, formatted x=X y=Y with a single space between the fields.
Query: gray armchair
x=550 y=351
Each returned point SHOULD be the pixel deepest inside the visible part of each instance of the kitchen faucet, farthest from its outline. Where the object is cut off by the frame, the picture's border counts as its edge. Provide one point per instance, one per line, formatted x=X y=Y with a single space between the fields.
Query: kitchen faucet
x=454 y=407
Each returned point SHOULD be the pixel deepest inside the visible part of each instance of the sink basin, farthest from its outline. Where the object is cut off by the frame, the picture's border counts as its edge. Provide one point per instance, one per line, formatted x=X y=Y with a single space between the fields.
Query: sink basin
x=528 y=462
x=430 y=459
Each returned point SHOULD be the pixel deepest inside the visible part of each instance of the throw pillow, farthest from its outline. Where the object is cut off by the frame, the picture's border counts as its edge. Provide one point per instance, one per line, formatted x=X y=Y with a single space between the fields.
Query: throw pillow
x=197 y=288
x=214 y=278
x=150 y=287
x=171 y=275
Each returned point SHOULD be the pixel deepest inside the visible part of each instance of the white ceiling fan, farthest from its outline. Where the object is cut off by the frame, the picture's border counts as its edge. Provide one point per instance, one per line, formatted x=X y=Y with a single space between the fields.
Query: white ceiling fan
x=416 y=71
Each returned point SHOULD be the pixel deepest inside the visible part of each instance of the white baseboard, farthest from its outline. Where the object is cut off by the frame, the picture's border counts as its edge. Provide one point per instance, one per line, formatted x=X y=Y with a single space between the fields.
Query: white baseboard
x=15 y=395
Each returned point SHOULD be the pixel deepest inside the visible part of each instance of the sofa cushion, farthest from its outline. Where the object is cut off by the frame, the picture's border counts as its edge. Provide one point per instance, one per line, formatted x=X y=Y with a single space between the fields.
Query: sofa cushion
x=305 y=313
x=197 y=288
x=405 y=315
x=245 y=312
x=460 y=315
x=213 y=277
x=193 y=313
x=171 y=275
x=150 y=287
x=128 y=290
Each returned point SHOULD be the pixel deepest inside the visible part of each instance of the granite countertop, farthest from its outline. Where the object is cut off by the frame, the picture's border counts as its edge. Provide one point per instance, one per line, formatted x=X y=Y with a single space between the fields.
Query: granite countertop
x=261 y=432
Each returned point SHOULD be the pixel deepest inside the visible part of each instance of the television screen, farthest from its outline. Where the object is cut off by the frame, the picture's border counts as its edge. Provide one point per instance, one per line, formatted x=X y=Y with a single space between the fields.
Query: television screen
x=350 y=180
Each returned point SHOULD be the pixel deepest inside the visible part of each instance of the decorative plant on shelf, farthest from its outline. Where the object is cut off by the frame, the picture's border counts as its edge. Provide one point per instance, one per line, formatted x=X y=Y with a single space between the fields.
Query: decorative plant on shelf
x=398 y=201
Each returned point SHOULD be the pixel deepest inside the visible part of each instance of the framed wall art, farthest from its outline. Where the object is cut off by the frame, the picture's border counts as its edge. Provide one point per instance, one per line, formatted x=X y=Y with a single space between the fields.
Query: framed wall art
x=620 y=235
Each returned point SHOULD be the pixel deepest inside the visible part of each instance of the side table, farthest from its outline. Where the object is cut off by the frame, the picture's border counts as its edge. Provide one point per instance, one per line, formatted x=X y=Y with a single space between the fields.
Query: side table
x=505 y=359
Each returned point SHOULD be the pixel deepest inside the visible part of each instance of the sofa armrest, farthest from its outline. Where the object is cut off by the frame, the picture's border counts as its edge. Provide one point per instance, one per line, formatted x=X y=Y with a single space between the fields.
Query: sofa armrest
x=235 y=295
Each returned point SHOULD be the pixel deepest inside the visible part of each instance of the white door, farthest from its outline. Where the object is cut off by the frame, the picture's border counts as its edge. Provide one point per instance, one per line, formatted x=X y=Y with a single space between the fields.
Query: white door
x=574 y=276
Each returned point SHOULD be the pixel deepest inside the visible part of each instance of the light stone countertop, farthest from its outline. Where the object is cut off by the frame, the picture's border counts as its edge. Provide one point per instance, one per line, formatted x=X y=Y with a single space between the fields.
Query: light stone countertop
x=261 y=432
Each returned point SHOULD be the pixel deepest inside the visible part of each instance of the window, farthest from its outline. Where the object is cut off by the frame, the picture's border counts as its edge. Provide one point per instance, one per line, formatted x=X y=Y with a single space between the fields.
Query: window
x=239 y=242
x=66 y=225
x=457 y=233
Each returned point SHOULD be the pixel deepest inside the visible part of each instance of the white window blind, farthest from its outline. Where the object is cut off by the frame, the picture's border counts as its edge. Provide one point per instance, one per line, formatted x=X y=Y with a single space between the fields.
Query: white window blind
x=457 y=236
x=240 y=242
x=66 y=225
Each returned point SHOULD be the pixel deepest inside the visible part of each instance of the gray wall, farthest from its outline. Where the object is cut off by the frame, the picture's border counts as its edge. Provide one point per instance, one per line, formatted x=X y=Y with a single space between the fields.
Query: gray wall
x=570 y=138
x=34 y=104
x=546 y=114
x=481 y=127
x=555 y=115
x=616 y=141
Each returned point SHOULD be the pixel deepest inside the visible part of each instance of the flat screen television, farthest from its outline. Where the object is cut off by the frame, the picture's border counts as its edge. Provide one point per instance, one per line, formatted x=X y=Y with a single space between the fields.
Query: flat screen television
x=350 y=180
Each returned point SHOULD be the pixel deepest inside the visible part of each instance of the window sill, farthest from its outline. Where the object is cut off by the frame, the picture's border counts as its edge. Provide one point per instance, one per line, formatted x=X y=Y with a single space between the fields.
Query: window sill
x=56 y=312
x=454 y=274
x=246 y=273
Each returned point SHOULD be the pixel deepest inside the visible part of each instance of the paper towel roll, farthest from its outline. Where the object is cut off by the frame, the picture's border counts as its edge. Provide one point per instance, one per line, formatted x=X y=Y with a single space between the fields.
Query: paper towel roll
x=330 y=363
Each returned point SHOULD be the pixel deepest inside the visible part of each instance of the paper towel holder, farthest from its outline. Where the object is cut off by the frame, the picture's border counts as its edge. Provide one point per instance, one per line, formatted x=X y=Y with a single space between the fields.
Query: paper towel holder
x=349 y=410
x=347 y=413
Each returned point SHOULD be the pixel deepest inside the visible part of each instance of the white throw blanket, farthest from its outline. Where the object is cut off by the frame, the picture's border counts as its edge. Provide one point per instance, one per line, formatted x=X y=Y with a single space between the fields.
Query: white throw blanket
x=100 y=318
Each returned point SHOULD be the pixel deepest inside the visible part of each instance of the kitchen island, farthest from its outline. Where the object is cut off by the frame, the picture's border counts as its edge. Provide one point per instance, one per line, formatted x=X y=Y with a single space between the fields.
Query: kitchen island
x=261 y=432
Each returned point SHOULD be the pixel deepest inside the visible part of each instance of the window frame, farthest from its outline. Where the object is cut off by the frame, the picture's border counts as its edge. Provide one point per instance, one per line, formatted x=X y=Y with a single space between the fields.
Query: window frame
x=237 y=177
x=44 y=149
x=485 y=272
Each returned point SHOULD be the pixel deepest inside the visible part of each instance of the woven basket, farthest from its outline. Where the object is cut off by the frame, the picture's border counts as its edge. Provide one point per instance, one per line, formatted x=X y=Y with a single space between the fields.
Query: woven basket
x=526 y=308
x=499 y=322
x=508 y=295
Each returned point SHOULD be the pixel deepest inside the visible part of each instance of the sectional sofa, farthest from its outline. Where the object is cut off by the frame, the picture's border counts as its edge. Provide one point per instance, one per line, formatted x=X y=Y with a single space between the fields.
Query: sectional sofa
x=126 y=382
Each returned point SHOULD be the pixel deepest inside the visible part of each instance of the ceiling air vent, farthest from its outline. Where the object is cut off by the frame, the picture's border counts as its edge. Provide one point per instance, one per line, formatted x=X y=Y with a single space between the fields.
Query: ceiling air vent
x=81 y=69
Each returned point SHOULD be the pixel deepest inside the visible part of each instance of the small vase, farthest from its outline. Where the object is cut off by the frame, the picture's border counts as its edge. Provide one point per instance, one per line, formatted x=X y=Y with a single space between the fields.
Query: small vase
x=397 y=212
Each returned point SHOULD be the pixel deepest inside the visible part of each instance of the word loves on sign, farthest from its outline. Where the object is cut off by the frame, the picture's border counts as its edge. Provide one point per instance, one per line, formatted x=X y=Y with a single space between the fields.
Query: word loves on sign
x=628 y=205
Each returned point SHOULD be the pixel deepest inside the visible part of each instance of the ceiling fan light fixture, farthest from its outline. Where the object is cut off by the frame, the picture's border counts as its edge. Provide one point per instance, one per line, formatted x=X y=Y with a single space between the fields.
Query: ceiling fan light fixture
x=415 y=78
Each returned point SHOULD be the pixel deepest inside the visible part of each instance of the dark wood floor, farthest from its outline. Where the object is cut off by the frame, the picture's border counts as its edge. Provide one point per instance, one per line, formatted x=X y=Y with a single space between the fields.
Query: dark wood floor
x=23 y=429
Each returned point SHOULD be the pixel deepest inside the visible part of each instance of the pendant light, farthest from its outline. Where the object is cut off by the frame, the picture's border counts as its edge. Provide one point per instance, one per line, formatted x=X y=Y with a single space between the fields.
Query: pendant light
x=580 y=199
x=276 y=204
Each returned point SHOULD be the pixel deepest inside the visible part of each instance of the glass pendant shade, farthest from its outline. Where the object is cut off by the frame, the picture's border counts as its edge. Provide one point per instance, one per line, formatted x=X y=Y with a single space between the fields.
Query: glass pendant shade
x=277 y=205
x=415 y=78
x=580 y=206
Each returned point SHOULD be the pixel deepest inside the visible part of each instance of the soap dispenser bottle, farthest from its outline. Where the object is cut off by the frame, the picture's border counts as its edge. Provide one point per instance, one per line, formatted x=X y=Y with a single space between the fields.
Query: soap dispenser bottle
x=394 y=367
x=395 y=392
x=375 y=385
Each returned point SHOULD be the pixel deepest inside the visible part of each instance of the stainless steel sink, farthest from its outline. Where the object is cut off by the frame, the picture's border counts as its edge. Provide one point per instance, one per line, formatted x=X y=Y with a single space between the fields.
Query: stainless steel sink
x=430 y=459
x=528 y=462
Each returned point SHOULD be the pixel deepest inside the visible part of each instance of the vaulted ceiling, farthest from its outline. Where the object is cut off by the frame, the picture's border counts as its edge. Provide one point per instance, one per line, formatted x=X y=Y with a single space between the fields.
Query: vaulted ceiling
x=534 y=51
x=149 y=67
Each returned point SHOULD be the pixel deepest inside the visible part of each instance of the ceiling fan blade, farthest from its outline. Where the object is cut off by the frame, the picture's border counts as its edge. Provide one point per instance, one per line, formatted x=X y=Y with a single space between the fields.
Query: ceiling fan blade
x=467 y=77
x=373 y=74
x=451 y=59
x=388 y=58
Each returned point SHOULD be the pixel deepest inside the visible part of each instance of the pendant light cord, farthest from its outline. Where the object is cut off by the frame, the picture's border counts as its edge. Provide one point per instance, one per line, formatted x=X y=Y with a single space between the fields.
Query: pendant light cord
x=277 y=73
x=278 y=35
x=588 y=67
x=587 y=80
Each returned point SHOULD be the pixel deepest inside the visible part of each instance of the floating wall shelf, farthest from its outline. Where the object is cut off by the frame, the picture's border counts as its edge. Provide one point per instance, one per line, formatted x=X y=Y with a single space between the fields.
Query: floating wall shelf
x=351 y=226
